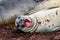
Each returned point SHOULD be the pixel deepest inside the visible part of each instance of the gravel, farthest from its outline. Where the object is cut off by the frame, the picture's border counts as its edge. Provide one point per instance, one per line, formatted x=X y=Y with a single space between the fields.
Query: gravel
x=8 y=33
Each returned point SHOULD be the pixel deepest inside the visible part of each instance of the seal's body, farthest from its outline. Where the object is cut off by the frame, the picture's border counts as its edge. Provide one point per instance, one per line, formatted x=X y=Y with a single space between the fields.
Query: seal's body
x=42 y=21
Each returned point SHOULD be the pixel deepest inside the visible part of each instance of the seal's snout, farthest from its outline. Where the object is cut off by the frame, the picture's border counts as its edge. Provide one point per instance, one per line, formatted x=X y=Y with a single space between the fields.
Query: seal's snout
x=19 y=22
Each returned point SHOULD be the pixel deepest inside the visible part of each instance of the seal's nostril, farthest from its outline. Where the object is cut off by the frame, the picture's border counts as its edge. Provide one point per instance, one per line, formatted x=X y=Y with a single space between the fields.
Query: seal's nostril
x=21 y=19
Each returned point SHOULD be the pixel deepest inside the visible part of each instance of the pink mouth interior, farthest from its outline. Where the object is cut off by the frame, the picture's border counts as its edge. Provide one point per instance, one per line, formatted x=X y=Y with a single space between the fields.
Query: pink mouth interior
x=27 y=23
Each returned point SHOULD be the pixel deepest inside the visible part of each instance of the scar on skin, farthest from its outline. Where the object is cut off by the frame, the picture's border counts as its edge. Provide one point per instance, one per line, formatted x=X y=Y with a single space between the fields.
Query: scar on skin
x=47 y=20
x=39 y=22
x=49 y=25
x=56 y=13
x=52 y=24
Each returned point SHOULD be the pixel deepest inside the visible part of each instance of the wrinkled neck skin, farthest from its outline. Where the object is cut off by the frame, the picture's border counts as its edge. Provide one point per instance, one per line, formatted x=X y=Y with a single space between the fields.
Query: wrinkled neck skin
x=45 y=21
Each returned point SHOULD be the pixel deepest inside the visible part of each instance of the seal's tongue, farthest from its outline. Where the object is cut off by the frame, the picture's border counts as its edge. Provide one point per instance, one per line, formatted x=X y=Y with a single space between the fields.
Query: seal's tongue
x=27 y=23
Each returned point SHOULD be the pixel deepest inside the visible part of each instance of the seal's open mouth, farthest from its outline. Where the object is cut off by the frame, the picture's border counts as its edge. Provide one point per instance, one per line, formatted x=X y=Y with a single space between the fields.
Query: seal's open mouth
x=27 y=23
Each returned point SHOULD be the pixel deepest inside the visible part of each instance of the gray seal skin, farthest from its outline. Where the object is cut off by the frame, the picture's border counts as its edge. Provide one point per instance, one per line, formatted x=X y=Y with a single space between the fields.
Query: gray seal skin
x=43 y=21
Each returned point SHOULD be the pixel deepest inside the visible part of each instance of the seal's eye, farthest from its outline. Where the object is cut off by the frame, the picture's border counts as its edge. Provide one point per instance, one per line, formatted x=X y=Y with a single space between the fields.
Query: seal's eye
x=19 y=17
x=27 y=23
